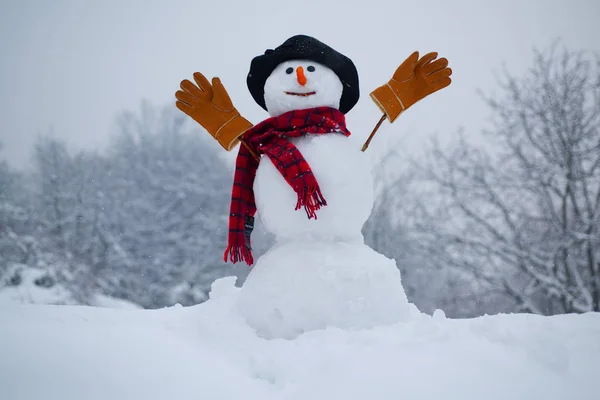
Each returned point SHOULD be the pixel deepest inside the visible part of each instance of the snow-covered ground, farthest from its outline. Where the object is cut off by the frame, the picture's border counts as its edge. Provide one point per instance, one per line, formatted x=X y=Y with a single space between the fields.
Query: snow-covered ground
x=208 y=352
x=31 y=289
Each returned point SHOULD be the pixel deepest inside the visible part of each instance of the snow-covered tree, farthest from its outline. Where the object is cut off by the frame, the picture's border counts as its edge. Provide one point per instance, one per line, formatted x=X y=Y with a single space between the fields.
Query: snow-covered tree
x=15 y=242
x=145 y=222
x=22 y=260
x=166 y=190
x=64 y=209
x=523 y=219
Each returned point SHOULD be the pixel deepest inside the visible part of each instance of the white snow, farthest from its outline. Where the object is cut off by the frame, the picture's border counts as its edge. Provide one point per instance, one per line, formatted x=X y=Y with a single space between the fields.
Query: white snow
x=209 y=352
x=301 y=286
x=325 y=84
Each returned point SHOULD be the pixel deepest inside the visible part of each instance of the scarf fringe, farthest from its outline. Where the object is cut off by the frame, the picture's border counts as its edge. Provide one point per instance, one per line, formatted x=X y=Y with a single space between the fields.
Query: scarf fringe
x=238 y=253
x=311 y=199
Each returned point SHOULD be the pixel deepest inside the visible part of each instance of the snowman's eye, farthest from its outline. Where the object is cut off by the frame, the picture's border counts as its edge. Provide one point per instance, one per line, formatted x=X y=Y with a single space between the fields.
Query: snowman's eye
x=311 y=68
x=289 y=70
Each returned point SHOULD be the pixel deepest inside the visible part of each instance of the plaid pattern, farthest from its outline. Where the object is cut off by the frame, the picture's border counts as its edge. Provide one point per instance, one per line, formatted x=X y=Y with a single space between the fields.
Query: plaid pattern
x=269 y=138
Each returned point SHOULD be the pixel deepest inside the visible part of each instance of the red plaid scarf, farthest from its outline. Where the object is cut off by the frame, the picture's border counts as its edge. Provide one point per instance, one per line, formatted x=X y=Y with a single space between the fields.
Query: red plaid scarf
x=269 y=138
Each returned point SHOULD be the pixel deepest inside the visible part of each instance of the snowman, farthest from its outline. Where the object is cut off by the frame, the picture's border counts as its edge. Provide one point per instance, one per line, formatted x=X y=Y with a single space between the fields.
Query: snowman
x=310 y=185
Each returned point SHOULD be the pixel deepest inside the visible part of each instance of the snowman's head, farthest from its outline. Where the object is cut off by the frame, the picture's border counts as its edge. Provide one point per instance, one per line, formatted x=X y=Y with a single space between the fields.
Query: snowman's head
x=301 y=73
x=301 y=84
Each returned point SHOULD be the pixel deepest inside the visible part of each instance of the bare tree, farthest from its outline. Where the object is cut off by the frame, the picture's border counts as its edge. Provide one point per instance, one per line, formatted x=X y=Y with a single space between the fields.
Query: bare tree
x=523 y=217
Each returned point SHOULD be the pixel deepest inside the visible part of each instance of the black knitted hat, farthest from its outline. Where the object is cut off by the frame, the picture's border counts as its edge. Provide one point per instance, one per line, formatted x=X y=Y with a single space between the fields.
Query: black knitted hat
x=307 y=48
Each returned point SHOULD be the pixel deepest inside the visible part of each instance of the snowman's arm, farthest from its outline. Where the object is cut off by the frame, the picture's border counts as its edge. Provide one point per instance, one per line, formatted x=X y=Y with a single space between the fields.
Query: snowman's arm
x=415 y=79
x=366 y=145
x=211 y=106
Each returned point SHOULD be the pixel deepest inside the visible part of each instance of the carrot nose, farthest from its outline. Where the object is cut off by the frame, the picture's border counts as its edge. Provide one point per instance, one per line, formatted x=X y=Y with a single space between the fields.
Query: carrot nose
x=300 y=76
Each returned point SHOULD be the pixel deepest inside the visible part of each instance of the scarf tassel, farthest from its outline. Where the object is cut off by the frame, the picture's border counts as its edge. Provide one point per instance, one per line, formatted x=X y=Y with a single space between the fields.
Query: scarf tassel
x=238 y=253
x=311 y=199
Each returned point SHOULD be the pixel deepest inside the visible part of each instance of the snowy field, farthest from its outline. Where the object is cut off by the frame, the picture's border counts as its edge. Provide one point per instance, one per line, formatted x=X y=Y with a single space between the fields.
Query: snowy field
x=208 y=352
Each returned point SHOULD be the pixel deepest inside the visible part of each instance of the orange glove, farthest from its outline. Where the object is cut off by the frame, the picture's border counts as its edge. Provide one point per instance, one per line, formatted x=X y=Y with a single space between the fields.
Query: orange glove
x=212 y=108
x=413 y=80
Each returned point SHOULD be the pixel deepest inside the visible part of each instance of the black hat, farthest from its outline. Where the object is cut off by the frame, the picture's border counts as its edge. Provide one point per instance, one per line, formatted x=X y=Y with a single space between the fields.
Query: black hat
x=307 y=48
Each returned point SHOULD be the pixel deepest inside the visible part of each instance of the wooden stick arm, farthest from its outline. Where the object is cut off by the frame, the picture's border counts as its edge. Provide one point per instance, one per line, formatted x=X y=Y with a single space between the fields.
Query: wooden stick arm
x=366 y=145
x=247 y=146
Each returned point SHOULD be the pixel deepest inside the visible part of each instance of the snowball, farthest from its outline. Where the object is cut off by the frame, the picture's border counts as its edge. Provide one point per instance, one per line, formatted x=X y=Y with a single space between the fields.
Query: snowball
x=301 y=286
x=344 y=176
x=325 y=84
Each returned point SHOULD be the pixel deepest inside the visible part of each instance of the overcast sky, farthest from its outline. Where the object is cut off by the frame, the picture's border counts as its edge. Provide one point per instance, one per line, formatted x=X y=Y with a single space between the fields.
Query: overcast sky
x=71 y=65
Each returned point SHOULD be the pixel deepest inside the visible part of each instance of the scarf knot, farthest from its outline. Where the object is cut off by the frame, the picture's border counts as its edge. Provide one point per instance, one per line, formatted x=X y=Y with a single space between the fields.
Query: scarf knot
x=269 y=138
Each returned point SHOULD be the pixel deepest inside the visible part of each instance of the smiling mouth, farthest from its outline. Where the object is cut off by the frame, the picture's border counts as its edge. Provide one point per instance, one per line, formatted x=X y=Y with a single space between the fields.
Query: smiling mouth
x=300 y=94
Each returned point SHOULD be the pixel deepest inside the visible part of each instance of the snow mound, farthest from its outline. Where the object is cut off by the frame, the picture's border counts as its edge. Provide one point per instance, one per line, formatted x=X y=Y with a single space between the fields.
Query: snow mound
x=208 y=351
x=302 y=286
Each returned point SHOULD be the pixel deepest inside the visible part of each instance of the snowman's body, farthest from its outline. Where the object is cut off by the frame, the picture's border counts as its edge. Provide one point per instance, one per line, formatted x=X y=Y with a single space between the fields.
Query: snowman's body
x=319 y=273
x=344 y=176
